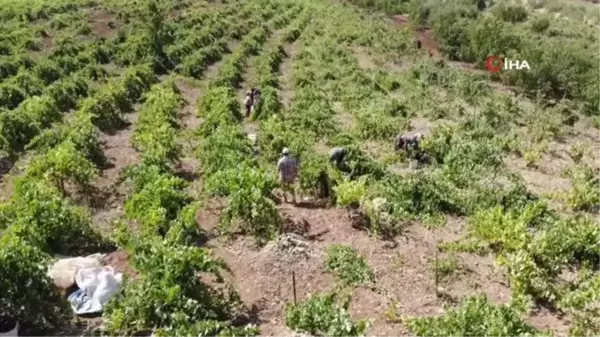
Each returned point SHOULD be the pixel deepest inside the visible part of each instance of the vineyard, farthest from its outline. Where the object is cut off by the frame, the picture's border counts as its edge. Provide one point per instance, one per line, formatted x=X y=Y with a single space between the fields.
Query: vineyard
x=122 y=132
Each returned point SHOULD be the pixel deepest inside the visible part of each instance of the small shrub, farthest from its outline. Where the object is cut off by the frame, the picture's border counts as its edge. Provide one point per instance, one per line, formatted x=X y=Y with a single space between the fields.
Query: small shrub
x=476 y=316
x=585 y=191
x=33 y=212
x=351 y=268
x=510 y=13
x=322 y=315
x=28 y=295
x=350 y=193
x=540 y=24
x=168 y=294
x=446 y=267
x=576 y=152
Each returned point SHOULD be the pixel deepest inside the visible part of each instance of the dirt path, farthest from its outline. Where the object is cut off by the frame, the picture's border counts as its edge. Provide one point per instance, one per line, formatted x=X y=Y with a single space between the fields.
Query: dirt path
x=120 y=153
x=248 y=81
x=425 y=35
x=189 y=123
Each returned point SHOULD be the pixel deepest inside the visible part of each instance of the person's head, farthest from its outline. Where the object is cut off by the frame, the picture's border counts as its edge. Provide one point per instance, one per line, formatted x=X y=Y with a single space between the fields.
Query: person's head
x=285 y=151
x=419 y=136
x=248 y=93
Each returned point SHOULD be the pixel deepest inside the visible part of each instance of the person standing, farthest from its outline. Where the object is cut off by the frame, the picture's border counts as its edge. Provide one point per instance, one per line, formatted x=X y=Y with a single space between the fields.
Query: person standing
x=248 y=102
x=287 y=168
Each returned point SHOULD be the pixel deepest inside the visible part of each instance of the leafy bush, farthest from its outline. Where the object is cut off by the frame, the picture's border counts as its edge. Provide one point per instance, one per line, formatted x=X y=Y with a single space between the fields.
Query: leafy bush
x=322 y=315
x=106 y=105
x=157 y=199
x=28 y=83
x=476 y=316
x=584 y=194
x=540 y=24
x=16 y=129
x=225 y=149
x=351 y=268
x=8 y=67
x=581 y=301
x=418 y=195
x=155 y=132
x=67 y=92
x=79 y=131
x=350 y=192
x=259 y=214
x=450 y=28
x=48 y=71
x=64 y=163
x=38 y=214
x=209 y=328
x=195 y=64
x=510 y=13
x=10 y=96
x=168 y=294
x=446 y=267
x=28 y=295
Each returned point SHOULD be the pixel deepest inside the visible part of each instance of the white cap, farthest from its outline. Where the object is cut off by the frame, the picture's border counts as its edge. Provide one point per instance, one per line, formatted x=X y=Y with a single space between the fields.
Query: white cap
x=285 y=151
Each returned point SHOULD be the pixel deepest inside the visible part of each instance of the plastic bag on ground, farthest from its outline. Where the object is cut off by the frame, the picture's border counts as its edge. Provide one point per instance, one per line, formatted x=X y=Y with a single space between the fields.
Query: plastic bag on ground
x=96 y=287
x=63 y=271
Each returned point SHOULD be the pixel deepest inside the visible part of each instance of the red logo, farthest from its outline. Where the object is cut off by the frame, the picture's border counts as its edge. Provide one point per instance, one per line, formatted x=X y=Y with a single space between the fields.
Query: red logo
x=494 y=64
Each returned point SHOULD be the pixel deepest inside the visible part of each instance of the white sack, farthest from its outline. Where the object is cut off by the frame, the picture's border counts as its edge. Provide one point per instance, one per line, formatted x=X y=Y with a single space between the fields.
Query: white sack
x=63 y=271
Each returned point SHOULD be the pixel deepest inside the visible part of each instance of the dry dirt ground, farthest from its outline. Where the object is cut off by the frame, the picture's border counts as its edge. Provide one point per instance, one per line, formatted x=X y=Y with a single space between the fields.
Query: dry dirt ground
x=405 y=281
x=424 y=35
x=119 y=151
x=104 y=24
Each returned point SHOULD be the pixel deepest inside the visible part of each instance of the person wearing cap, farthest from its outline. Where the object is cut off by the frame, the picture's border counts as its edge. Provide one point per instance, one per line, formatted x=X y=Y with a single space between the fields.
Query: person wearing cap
x=248 y=102
x=287 y=168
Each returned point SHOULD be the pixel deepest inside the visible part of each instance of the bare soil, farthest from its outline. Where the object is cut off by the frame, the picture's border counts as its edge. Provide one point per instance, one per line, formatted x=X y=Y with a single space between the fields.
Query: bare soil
x=190 y=94
x=540 y=182
x=120 y=154
x=119 y=260
x=425 y=35
x=104 y=24
x=263 y=275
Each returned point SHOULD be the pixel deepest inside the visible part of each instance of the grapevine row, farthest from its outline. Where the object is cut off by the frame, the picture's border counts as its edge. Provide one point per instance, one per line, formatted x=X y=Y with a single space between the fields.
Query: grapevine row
x=226 y=155
x=268 y=69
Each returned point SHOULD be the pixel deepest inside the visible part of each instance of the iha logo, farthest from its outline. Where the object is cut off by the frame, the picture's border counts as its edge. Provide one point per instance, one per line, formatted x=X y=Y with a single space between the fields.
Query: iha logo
x=495 y=63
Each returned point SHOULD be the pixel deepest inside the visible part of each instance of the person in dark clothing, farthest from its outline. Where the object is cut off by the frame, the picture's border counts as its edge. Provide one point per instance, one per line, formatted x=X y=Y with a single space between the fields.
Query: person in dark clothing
x=405 y=142
x=337 y=156
x=410 y=144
